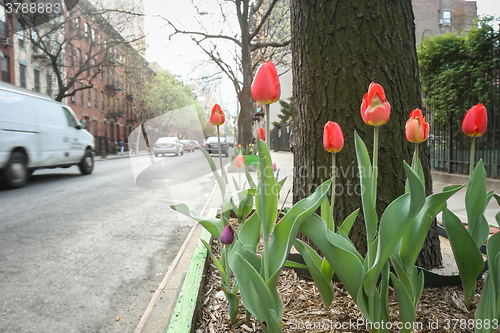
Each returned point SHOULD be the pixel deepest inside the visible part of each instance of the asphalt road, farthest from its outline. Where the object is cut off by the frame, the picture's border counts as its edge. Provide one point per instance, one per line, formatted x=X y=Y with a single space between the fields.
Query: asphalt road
x=76 y=252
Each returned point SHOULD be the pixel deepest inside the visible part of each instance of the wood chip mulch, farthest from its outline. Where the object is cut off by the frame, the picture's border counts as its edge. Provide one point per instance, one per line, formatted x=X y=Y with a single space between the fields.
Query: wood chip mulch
x=439 y=309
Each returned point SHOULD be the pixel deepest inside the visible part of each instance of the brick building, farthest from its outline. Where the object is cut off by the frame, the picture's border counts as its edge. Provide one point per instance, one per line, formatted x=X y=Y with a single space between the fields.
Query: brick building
x=437 y=17
x=94 y=63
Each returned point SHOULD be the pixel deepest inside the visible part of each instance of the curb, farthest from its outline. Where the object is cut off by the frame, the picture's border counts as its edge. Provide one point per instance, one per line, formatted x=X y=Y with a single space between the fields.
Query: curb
x=173 y=266
x=492 y=184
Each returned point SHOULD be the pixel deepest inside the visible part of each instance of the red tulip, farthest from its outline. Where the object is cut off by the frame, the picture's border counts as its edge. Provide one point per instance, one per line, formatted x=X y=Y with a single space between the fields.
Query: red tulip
x=333 y=138
x=375 y=109
x=217 y=118
x=239 y=161
x=227 y=236
x=417 y=129
x=266 y=85
x=260 y=133
x=475 y=121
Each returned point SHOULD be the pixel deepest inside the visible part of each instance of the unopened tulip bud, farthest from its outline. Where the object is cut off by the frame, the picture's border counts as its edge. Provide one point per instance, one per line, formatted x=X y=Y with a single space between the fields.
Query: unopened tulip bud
x=375 y=109
x=227 y=236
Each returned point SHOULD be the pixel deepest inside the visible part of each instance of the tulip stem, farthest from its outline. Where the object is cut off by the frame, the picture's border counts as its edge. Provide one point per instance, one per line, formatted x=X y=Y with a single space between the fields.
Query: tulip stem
x=472 y=149
x=416 y=158
x=331 y=221
x=375 y=168
x=220 y=157
x=268 y=135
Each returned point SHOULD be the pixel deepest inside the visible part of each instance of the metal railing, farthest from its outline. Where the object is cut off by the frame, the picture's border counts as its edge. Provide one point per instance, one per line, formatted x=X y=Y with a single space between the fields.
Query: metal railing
x=449 y=147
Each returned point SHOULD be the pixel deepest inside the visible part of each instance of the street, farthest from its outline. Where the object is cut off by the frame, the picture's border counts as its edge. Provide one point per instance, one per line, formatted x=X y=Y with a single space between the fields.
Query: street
x=77 y=252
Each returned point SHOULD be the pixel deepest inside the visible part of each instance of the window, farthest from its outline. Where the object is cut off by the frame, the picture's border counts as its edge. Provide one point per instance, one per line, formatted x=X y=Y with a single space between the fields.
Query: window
x=22 y=75
x=70 y=24
x=77 y=25
x=34 y=41
x=96 y=102
x=3 y=22
x=37 y=80
x=89 y=98
x=70 y=55
x=87 y=63
x=71 y=90
x=69 y=117
x=92 y=35
x=49 y=85
x=86 y=30
x=94 y=69
x=79 y=58
x=80 y=92
x=5 y=64
x=102 y=100
x=100 y=73
x=20 y=34
x=99 y=41
x=447 y=17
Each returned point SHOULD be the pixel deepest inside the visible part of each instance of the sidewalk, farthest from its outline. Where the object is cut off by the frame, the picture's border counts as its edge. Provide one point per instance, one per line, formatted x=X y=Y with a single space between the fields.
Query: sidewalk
x=126 y=154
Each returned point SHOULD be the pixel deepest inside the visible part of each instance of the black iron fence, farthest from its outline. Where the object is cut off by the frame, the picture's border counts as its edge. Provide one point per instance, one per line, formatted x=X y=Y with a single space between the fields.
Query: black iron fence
x=280 y=137
x=449 y=147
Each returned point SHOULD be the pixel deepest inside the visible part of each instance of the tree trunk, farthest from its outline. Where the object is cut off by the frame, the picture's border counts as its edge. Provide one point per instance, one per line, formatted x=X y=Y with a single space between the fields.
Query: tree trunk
x=338 y=49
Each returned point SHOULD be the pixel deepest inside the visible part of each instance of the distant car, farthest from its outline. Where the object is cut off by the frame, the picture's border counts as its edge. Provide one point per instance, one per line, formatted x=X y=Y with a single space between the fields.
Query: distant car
x=188 y=146
x=230 y=141
x=212 y=145
x=168 y=145
x=196 y=144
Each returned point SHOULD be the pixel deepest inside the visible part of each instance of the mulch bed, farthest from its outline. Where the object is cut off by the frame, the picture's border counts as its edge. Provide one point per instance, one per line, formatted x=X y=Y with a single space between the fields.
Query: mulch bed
x=438 y=308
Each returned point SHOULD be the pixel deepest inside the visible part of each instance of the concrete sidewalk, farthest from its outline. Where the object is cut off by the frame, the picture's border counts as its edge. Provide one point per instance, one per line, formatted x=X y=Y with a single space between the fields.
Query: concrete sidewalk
x=126 y=154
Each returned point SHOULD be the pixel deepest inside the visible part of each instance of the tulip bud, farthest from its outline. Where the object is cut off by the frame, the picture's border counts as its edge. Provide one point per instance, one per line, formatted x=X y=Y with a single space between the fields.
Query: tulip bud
x=375 y=110
x=261 y=134
x=239 y=161
x=274 y=166
x=333 y=138
x=266 y=85
x=217 y=118
x=475 y=121
x=227 y=236
x=417 y=129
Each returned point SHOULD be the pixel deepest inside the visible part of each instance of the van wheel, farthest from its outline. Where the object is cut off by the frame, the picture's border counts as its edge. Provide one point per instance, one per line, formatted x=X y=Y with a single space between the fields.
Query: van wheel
x=15 y=174
x=87 y=164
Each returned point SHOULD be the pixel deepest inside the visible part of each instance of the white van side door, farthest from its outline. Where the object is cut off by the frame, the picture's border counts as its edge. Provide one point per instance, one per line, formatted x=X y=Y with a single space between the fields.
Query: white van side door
x=75 y=146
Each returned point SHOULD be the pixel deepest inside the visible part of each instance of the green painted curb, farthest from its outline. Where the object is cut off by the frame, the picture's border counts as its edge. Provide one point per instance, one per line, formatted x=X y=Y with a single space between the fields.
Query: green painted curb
x=183 y=316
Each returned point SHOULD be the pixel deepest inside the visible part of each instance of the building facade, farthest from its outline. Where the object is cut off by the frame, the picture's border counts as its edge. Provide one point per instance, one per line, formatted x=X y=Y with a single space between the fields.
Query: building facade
x=95 y=70
x=437 y=17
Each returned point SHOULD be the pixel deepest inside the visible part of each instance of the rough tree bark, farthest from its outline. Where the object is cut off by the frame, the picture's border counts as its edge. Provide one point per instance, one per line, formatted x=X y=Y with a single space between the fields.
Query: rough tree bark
x=338 y=48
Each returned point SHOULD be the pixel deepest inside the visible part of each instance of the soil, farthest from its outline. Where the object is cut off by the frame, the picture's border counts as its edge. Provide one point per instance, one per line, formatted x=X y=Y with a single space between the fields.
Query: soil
x=439 y=309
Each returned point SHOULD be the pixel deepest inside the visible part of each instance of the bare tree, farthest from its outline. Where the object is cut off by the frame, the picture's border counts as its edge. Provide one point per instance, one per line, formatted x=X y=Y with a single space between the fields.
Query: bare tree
x=263 y=34
x=79 y=48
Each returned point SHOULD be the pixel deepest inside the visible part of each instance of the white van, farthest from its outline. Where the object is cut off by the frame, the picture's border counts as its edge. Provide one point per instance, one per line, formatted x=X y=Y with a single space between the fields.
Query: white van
x=37 y=132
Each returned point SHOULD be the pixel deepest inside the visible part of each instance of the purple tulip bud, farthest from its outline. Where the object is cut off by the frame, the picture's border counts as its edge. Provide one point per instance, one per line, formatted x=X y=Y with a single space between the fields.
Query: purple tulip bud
x=274 y=166
x=227 y=236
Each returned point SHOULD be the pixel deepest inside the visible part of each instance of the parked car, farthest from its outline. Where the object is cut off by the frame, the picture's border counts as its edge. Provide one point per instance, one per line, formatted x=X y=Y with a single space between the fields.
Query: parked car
x=188 y=146
x=196 y=144
x=212 y=145
x=168 y=145
x=37 y=132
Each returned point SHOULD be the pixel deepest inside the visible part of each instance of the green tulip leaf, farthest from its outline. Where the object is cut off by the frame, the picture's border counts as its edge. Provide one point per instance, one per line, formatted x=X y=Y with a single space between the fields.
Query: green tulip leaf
x=325 y=214
x=213 y=225
x=249 y=232
x=314 y=263
x=280 y=184
x=255 y=293
x=349 y=221
x=267 y=197
x=225 y=277
x=487 y=308
x=403 y=278
x=366 y=182
x=284 y=233
x=211 y=162
x=248 y=255
x=394 y=222
x=250 y=179
x=467 y=256
x=475 y=200
x=406 y=305
x=414 y=237
x=340 y=253
x=492 y=251
x=293 y=264
x=417 y=166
